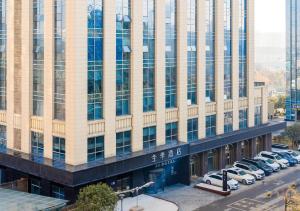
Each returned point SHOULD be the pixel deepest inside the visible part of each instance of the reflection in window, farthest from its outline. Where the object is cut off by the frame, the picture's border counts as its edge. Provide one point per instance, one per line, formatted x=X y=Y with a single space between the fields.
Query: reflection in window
x=227 y=50
x=123 y=143
x=3 y=69
x=243 y=48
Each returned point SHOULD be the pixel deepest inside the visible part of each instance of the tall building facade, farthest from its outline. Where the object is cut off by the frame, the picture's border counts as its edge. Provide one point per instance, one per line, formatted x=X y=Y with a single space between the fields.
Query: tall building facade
x=292 y=57
x=127 y=91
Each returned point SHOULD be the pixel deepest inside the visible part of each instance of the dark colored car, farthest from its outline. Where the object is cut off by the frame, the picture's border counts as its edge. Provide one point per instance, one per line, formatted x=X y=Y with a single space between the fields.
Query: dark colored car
x=292 y=161
x=261 y=165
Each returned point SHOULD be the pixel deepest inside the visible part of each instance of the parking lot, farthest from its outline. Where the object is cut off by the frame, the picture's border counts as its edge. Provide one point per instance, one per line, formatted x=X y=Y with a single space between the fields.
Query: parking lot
x=265 y=194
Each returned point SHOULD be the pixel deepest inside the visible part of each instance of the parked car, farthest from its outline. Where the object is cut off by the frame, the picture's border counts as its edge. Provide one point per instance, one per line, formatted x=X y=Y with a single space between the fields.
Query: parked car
x=240 y=176
x=280 y=146
x=250 y=169
x=299 y=148
x=261 y=165
x=274 y=165
x=275 y=157
x=217 y=180
x=292 y=161
x=294 y=154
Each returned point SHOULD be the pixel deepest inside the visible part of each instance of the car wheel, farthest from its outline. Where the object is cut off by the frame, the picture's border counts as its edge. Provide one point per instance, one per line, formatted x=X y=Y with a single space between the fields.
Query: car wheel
x=244 y=182
x=208 y=182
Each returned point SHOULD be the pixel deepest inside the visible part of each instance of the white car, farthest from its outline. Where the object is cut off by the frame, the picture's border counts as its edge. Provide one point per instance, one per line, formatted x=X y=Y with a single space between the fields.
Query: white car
x=278 y=159
x=217 y=180
x=240 y=175
x=269 y=162
x=250 y=169
x=294 y=154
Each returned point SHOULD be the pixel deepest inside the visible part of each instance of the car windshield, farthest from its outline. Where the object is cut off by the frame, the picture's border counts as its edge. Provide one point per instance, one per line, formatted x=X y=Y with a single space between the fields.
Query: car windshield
x=278 y=157
x=270 y=161
x=253 y=168
x=242 y=173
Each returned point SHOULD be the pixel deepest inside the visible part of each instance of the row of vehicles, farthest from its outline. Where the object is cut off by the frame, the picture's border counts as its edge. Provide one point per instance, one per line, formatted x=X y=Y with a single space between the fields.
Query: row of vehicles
x=247 y=171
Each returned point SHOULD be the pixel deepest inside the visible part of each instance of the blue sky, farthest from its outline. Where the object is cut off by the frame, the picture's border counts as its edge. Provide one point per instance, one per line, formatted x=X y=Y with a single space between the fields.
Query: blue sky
x=270 y=16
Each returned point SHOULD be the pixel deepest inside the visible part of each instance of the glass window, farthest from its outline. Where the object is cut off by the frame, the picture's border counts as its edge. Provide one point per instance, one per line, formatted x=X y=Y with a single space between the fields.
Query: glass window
x=192 y=127
x=37 y=144
x=95 y=59
x=211 y=126
x=3 y=61
x=3 y=139
x=227 y=50
x=59 y=151
x=210 y=50
x=149 y=137
x=243 y=48
x=123 y=143
x=123 y=43
x=57 y=192
x=171 y=54
x=243 y=118
x=228 y=121
x=171 y=133
x=258 y=116
x=35 y=186
x=95 y=147
x=59 y=60
x=192 y=51
x=148 y=55
x=38 y=58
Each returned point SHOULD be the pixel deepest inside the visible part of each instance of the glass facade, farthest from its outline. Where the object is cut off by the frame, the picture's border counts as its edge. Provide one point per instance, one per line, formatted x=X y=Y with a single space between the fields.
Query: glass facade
x=123 y=48
x=192 y=127
x=171 y=133
x=210 y=50
x=37 y=144
x=227 y=50
x=192 y=51
x=59 y=149
x=257 y=115
x=38 y=58
x=228 y=122
x=171 y=54
x=3 y=41
x=95 y=59
x=95 y=147
x=59 y=67
x=123 y=143
x=57 y=192
x=243 y=118
x=149 y=137
x=3 y=137
x=243 y=48
x=292 y=57
x=211 y=125
x=148 y=55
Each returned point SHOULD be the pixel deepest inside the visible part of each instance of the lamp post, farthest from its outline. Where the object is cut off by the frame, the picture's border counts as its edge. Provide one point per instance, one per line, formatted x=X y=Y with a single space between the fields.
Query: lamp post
x=122 y=196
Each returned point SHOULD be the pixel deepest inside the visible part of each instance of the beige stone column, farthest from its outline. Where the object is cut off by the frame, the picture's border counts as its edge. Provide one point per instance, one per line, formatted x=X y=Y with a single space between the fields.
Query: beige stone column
x=76 y=82
x=10 y=74
x=160 y=71
x=182 y=68
x=235 y=63
x=109 y=76
x=201 y=58
x=250 y=61
x=48 y=76
x=219 y=64
x=26 y=72
x=137 y=74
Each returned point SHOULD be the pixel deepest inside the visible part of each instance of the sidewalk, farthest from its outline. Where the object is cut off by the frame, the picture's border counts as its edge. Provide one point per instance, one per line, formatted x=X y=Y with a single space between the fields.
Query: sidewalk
x=149 y=203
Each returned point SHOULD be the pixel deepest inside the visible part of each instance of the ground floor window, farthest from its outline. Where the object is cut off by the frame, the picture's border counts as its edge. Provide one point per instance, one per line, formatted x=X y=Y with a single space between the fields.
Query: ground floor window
x=57 y=192
x=35 y=186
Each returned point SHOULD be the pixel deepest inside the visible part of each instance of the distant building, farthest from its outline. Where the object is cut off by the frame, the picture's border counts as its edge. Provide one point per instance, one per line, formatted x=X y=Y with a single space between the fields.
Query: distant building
x=293 y=57
x=127 y=91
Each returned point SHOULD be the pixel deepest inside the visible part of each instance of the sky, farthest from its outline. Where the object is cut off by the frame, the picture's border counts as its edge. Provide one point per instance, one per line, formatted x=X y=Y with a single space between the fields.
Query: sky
x=270 y=16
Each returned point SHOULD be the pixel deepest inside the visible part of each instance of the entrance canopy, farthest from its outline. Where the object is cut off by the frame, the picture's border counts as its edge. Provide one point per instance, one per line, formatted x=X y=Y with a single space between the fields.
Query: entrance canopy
x=16 y=200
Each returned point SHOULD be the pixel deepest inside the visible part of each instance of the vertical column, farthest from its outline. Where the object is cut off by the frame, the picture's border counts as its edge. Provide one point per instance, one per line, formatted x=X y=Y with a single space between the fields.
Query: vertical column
x=253 y=149
x=160 y=71
x=250 y=61
x=220 y=65
x=201 y=58
x=235 y=63
x=10 y=73
x=109 y=76
x=76 y=82
x=137 y=74
x=48 y=75
x=264 y=112
x=268 y=142
x=204 y=160
x=182 y=68
x=26 y=72
x=222 y=158
x=237 y=151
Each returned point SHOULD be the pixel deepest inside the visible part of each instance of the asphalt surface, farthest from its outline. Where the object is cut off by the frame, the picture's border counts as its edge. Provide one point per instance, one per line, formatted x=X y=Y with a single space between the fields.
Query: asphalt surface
x=254 y=198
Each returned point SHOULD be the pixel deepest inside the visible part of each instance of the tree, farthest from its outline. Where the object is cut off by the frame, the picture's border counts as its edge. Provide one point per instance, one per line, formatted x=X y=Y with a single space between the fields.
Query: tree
x=98 y=197
x=293 y=133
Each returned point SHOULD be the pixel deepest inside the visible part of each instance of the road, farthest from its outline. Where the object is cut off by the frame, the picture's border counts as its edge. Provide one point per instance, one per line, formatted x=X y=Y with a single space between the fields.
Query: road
x=250 y=198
